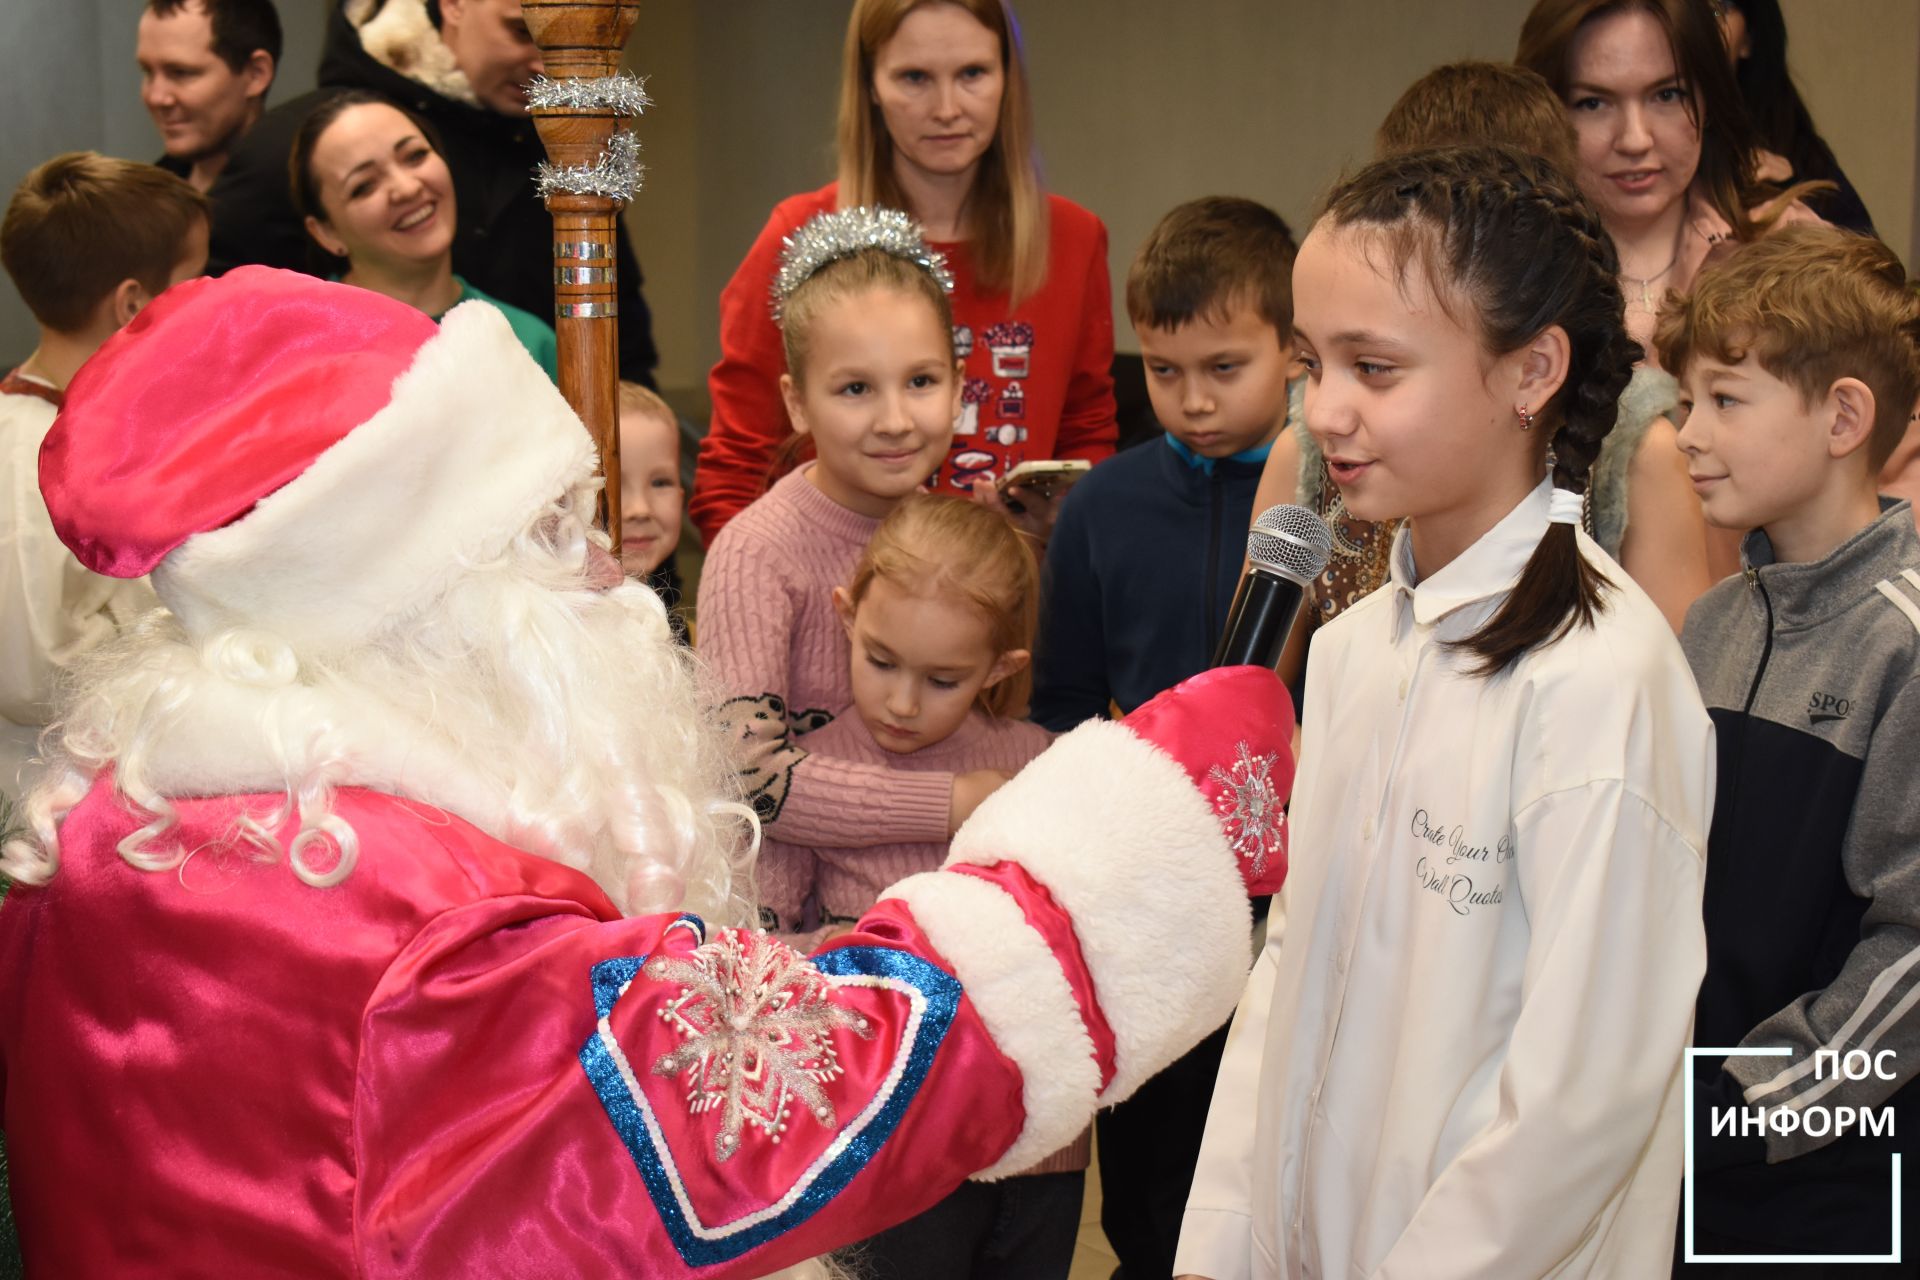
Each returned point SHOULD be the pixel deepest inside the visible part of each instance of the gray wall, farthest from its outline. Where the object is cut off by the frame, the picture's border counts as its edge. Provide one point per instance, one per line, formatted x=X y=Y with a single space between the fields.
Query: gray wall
x=68 y=83
x=1140 y=103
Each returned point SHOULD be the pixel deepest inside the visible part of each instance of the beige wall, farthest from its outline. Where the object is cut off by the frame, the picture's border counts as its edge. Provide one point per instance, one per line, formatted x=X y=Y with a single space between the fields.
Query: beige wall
x=1858 y=68
x=1144 y=103
x=1141 y=104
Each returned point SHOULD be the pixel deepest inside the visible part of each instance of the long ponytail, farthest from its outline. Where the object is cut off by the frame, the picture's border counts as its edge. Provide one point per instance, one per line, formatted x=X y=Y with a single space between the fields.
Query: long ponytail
x=1503 y=233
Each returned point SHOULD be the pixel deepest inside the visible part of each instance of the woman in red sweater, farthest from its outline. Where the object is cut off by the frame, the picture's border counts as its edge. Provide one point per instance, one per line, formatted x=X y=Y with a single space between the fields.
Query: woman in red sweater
x=935 y=119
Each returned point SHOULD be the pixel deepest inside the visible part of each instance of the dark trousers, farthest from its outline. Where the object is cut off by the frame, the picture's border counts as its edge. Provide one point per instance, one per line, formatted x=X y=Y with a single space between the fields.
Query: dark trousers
x=1017 y=1229
x=1148 y=1147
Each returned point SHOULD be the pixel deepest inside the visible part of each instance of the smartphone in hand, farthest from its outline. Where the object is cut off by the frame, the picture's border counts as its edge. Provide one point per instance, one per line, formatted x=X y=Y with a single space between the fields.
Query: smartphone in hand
x=1046 y=479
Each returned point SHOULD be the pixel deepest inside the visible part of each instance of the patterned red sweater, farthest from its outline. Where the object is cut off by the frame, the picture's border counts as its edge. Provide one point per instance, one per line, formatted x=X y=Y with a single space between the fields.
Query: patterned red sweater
x=1038 y=376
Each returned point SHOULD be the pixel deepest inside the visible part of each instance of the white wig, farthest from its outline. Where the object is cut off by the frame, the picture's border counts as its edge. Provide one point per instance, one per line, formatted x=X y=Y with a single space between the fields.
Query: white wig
x=556 y=718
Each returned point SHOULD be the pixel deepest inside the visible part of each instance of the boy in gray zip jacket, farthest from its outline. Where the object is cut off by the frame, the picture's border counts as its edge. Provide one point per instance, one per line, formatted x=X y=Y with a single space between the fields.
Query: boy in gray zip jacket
x=1799 y=363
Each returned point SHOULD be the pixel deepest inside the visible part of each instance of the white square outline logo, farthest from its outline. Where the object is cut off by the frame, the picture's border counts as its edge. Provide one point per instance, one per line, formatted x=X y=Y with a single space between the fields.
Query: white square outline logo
x=1783 y=1258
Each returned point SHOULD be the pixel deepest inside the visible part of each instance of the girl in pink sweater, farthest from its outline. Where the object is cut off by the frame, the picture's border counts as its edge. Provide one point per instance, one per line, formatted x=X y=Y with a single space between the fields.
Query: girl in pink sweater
x=863 y=310
x=940 y=613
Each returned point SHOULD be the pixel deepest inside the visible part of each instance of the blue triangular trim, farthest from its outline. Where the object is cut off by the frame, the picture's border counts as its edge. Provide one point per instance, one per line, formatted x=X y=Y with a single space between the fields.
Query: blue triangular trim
x=610 y=978
x=625 y=1107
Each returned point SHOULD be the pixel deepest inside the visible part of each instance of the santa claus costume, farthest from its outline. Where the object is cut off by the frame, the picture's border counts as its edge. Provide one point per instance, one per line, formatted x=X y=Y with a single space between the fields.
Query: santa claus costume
x=355 y=933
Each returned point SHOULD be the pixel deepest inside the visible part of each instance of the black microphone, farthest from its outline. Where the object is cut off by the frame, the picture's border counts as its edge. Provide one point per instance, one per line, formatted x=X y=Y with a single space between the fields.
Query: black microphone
x=1287 y=548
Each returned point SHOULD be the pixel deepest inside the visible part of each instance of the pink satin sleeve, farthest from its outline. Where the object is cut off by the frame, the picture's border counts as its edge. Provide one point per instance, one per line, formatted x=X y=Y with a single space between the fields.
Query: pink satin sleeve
x=532 y=1096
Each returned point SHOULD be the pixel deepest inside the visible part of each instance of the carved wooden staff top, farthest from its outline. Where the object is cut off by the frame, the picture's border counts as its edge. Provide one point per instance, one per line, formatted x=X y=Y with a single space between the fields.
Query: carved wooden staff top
x=580 y=107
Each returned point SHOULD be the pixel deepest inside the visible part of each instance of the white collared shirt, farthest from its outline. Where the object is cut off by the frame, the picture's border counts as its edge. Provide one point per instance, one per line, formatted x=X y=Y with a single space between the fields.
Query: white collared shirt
x=52 y=609
x=1464 y=1058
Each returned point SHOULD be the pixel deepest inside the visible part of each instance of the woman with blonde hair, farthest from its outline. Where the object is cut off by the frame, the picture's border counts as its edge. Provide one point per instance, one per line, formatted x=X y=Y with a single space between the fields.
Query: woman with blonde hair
x=936 y=120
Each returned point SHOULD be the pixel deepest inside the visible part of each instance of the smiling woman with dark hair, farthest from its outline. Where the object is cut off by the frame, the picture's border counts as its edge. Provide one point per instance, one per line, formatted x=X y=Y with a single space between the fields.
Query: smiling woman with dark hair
x=369 y=181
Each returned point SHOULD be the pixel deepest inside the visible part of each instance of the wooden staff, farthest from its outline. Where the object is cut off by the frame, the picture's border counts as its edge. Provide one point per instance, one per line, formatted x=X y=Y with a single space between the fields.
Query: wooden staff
x=582 y=41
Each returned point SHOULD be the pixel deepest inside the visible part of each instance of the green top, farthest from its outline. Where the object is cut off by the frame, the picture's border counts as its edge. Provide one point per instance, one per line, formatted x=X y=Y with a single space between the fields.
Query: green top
x=535 y=334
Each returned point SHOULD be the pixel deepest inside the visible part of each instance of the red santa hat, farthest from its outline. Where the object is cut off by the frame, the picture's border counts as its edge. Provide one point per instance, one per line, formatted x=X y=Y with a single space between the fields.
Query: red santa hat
x=303 y=457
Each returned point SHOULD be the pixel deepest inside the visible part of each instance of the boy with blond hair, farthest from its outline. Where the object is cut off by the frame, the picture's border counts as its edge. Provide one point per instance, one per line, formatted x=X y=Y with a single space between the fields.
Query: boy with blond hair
x=1799 y=363
x=88 y=241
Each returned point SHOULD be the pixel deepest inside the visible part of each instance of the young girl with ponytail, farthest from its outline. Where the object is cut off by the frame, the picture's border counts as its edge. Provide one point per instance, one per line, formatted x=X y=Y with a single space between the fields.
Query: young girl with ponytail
x=1463 y=1057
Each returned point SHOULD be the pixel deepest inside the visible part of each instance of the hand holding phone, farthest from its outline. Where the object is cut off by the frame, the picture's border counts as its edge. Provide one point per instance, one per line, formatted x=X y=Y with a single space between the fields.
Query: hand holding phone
x=1044 y=479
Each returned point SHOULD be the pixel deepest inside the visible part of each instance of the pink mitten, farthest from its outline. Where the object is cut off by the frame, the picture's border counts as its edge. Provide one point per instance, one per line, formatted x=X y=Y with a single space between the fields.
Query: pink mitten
x=1095 y=908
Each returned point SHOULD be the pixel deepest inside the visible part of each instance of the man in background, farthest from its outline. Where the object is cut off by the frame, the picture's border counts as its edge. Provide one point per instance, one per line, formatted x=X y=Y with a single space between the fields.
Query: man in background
x=461 y=65
x=205 y=68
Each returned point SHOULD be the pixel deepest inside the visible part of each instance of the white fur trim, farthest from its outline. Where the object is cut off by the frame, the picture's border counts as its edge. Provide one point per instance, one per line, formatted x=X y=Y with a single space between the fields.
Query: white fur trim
x=401 y=37
x=223 y=743
x=1015 y=981
x=1115 y=829
x=474 y=442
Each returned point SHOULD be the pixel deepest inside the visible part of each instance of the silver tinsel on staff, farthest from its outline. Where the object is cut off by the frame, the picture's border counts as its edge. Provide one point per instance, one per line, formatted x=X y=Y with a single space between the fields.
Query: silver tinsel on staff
x=615 y=173
x=623 y=95
x=841 y=233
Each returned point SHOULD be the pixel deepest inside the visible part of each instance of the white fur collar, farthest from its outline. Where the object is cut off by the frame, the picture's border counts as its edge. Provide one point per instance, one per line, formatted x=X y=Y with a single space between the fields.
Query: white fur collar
x=401 y=37
x=221 y=744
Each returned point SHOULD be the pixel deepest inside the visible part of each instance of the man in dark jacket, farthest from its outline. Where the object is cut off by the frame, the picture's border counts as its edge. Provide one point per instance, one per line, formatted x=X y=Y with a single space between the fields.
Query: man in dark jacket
x=460 y=65
x=205 y=68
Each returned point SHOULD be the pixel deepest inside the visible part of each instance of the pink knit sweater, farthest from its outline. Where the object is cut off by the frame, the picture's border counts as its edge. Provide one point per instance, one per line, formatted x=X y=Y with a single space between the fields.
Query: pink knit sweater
x=777 y=652
x=849 y=875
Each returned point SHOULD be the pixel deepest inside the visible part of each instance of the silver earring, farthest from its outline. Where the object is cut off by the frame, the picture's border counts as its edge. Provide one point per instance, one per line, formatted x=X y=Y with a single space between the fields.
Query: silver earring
x=1526 y=418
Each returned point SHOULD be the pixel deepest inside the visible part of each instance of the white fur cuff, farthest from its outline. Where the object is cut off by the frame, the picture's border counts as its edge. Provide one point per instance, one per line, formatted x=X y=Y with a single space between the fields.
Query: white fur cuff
x=1116 y=831
x=1017 y=985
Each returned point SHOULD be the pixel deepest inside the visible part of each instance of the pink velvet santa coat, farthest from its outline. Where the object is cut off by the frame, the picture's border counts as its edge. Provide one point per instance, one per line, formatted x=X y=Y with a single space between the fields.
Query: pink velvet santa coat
x=461 y=1061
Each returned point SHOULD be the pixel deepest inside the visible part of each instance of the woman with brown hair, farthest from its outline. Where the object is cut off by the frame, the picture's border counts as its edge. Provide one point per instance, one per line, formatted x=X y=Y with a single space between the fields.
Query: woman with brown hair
x=936 y=120
x=1666 y=149
x=374 y=192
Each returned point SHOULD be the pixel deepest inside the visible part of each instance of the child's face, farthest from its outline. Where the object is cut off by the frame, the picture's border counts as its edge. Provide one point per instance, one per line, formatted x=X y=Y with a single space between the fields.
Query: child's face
x=918 y=663
x=1414 y=418
x=1219 y=384
x=1757 y=452
x=879 y=397
x=650 y=494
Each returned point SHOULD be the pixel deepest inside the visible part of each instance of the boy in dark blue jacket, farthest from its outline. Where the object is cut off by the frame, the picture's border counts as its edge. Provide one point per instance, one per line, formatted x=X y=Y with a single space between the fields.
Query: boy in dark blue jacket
x=1147 y=551
x=1140 y=572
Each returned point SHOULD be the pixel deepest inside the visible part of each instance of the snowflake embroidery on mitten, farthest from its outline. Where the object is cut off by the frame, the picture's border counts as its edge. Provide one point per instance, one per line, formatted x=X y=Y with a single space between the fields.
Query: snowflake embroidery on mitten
x=1250 y=809
x=758 y=1019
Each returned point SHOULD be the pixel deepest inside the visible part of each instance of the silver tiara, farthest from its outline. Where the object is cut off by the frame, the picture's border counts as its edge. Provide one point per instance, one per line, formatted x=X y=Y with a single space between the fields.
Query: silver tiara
x=841 y=233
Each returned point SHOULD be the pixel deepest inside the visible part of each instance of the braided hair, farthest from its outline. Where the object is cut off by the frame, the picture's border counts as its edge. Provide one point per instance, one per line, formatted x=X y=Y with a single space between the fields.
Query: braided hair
x=1507 y=237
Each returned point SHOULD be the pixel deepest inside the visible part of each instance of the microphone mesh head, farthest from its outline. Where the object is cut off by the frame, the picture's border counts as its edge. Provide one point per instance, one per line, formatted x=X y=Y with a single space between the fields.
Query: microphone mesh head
x=1291 y=540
